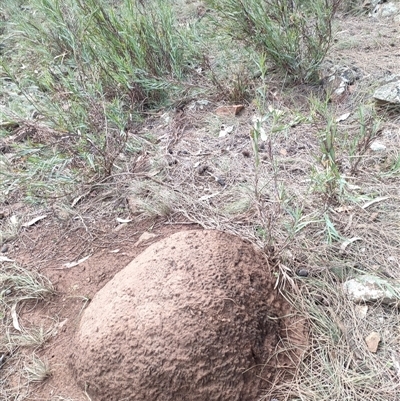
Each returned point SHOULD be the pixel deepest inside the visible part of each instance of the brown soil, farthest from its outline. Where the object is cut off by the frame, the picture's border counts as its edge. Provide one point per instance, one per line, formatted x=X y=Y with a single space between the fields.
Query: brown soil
x=194 y=317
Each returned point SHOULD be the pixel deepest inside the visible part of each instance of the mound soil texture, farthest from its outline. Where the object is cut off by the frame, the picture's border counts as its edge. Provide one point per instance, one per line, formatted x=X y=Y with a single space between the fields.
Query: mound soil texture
x=193 y=318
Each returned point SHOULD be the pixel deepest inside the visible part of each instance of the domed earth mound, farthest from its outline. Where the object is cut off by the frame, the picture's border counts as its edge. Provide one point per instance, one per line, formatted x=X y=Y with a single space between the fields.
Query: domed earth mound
x=192 y=318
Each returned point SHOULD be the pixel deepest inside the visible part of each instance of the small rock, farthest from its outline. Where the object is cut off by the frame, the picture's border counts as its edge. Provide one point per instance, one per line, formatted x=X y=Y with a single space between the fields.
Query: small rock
x=145 y=237
x=377 y=146
x=372 y=340
x=388 y=93
x=4 y=248
x=225 y=131
x=342 y=117
x=220 y=181
x=383 y=10
x=336 y=79
x=369 y=288
x=361 y=311
x=302 y=273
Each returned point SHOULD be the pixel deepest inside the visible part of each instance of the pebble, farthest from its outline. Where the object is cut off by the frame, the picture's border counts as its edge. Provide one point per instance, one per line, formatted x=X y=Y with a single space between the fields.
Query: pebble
x=302 y=273
x=4 y=248
x=221 y=181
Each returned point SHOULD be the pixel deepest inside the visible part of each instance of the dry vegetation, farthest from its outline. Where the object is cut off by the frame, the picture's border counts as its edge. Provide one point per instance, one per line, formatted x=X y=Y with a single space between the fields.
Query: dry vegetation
x=84 y=145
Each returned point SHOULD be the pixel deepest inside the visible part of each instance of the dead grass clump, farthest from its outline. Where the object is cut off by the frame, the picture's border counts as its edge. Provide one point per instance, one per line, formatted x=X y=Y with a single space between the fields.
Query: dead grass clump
x=37 y=370
x=338 y=365
x=150 y=199
x=19 y=287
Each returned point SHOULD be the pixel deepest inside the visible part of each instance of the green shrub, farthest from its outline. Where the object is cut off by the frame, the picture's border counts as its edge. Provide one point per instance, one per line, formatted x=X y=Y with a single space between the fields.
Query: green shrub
x=295 y=36
x=127 y=48
x=92 y=67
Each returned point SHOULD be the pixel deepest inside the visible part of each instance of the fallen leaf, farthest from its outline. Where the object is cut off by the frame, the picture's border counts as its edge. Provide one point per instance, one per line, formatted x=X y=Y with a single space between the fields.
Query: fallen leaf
x=15 y=317
x=229 y=110
x=380 y=199
x=373 y=339
x=5 y=259
x=120 y=227
x=343 y=117
x=145 y=237
x=123 y=220
x=348 y=242
x=34 y=221
x=205 y=197
x=73 y=264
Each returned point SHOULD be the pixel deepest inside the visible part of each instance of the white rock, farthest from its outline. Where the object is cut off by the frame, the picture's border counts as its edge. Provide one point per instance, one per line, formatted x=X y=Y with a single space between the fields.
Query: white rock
x=361 y=311
x=369 y=288
x=377 y=146
x=225 y=131
x=384 y=10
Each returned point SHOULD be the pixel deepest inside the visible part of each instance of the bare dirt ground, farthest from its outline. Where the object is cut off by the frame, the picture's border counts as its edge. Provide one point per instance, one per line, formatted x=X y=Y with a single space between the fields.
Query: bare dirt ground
x=195 y=178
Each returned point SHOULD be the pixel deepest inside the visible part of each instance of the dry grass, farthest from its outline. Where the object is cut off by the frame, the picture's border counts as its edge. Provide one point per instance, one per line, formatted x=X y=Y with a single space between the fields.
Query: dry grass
x=337 y=364
x=37 y=370
x=20 y=287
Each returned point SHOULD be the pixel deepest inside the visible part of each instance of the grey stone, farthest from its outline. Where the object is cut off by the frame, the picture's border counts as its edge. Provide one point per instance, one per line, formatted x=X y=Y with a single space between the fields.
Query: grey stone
x=389 y=93
x=384 y=10
x=4 y=248
x=369 y=288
